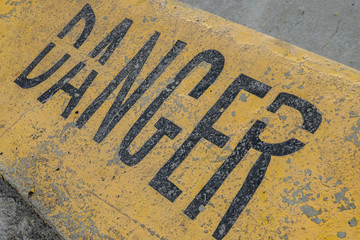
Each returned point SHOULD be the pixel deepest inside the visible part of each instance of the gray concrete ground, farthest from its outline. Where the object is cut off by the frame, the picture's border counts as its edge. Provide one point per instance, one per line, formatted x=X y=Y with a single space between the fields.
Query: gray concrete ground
x=18 y=220
x=330 y=28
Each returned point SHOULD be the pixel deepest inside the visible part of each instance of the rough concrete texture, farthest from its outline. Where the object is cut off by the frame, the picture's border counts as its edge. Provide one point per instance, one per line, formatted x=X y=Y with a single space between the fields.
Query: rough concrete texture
x=18 y=220
x=327 y=27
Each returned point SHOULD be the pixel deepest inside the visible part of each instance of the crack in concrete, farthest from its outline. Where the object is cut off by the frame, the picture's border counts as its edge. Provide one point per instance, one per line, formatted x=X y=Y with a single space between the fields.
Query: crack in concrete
x=332 y=35
x=126 y=215
x=19 y=118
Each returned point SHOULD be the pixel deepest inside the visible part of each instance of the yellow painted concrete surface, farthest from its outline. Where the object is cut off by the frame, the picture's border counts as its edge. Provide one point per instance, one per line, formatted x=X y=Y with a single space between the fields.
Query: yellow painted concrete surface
x=235 y=135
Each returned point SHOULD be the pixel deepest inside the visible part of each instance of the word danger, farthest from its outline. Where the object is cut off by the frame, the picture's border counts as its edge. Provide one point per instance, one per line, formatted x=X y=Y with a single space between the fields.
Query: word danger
x=203 y=130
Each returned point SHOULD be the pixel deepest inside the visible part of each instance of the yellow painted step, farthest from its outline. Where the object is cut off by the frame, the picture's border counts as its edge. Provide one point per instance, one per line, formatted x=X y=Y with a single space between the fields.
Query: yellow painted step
x=153 y=120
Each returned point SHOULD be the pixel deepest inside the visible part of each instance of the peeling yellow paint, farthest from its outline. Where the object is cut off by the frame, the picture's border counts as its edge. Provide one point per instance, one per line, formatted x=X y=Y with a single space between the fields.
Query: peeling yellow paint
x=85 y=189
